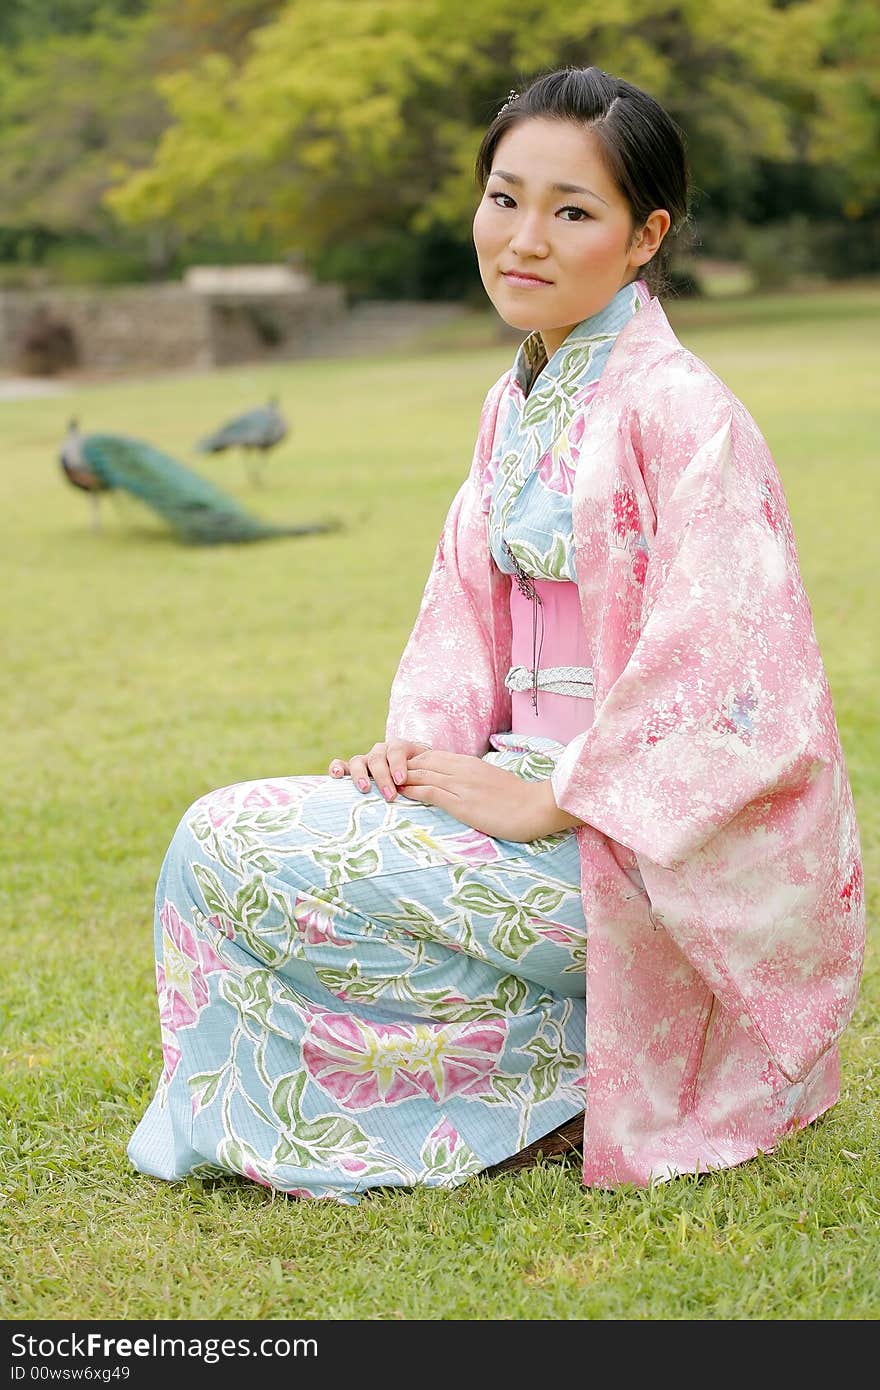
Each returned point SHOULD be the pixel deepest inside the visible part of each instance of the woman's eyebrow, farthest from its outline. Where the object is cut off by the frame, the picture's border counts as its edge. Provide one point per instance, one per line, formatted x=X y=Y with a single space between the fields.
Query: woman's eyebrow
x=557 y=187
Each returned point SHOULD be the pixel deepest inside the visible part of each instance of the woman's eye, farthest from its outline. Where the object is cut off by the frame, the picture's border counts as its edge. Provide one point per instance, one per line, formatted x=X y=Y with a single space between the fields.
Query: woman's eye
x=568 y=214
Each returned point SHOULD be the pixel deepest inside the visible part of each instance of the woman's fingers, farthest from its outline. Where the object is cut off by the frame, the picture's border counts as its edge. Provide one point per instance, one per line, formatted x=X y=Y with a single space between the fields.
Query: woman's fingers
x=428 y=793
x=398 y=753
x=373 y=765
x=377 y=762
x=385 y=764
x=432 y=788
x=357 y=767
x=440 y=761
x=428 y=776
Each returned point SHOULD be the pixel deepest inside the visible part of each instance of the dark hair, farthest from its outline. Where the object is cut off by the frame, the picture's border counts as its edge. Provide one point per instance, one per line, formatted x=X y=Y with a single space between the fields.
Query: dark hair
x=642 y=147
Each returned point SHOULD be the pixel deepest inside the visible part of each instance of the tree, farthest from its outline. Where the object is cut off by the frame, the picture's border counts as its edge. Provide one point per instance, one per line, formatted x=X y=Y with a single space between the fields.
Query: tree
x=348 y=129
x=358 y=115
x=22 y=21
x=848 y=100
x=73 y=110
x=79 y=104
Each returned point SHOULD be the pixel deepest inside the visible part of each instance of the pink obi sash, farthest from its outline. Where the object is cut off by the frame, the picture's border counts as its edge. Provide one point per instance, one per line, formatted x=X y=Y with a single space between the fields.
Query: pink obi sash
x=548 y=632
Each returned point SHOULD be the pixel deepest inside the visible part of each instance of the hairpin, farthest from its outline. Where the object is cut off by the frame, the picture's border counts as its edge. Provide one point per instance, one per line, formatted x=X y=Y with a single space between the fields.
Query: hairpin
x=512 y=95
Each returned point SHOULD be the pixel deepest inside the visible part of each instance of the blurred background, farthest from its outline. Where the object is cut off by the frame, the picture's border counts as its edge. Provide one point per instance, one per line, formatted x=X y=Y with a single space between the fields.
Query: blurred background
x=193 y=193
x=143 y=142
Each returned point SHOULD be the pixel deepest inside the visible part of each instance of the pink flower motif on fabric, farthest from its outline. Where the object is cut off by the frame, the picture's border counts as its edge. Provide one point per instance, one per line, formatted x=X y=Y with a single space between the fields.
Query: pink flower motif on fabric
x=224 y=925
x=222 y=805
x=640 y=562
x=558 y=932
x=471 y=846
x=363 y=1064
x=265 y=794
x=851 y=892
x=662 y=721
x=249 y=1171
x=444 y=1150
x=583 y=396
x=218 y=806
x=180 y=980
x=315 y=920
x=736 y=719
x=769 y=508
x=170 y=1051
x=353 y=1165
x=626 y=515
x=445 y=1131
x=556 y=467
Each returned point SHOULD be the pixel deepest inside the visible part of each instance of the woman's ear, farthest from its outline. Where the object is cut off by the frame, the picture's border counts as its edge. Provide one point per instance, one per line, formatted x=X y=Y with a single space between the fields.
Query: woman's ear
x=647 y=240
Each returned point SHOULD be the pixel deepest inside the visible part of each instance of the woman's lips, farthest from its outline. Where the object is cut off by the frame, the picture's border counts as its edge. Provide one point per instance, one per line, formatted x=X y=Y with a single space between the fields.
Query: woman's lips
x=525 y=282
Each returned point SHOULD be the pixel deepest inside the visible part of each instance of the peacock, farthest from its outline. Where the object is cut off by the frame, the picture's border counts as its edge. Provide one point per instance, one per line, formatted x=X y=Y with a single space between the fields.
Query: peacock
x=197 y=511
x=255 y=433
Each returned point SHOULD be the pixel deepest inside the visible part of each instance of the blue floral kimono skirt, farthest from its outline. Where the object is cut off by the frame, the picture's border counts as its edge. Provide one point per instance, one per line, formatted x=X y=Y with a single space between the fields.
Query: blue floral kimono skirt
x=356 y=993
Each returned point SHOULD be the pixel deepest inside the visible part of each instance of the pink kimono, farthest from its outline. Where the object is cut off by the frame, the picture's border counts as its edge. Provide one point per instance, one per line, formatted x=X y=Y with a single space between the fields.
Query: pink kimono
x=712 y=768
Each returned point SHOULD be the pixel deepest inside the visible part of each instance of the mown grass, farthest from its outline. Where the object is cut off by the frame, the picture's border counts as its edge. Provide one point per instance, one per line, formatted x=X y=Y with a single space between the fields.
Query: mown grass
x=138 y=674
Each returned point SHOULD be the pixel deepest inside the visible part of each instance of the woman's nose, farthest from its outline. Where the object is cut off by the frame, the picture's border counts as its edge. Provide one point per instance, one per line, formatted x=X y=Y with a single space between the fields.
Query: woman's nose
x=529 y=237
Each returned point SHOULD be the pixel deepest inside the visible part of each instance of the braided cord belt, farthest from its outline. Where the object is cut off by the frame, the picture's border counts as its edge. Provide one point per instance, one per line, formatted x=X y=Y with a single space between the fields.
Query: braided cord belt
x=556 y=680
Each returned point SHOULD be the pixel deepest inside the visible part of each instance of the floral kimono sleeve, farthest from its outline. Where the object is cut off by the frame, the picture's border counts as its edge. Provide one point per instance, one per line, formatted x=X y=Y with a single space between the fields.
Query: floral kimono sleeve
x=449 y=688
x=715 y=756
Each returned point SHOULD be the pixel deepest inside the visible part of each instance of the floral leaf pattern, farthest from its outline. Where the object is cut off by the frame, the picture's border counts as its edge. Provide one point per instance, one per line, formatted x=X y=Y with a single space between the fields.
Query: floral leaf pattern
x=376 y=981
x=334 y=998
x=447 y=1158
x=537 y=447
x=552 y=1059
x=360 y=1064
x=720 y=985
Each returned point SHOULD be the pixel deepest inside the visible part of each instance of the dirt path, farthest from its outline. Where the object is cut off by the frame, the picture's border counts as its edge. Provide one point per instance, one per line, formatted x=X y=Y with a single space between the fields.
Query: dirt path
x=13 y=388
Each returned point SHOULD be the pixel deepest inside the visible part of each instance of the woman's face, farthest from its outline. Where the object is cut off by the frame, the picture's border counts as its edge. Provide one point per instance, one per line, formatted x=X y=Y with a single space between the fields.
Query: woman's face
x=553 y=232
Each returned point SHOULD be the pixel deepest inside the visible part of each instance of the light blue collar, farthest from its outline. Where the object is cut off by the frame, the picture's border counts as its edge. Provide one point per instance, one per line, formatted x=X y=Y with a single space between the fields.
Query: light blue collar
x=533 y=369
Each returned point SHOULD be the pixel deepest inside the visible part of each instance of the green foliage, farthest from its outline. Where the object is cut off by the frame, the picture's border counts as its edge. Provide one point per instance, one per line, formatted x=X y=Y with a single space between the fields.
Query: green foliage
x=139 y=674
x=347 y=130
x=778 y=253
x=353 y=116
x=848 y=92
x=391 y=262
x=73 y=111
x=798 y=247
x=24 y=20
x=72 y=262
x=80 y=104
x=213 y=26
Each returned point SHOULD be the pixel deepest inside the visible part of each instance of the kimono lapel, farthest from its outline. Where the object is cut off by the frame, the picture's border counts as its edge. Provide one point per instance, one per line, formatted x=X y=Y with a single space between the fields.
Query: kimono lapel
x=713 y=769
x=545 y=395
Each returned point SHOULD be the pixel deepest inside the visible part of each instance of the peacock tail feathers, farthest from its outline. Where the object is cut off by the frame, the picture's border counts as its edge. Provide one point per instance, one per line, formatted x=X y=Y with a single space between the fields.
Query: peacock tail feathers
x=198 y=512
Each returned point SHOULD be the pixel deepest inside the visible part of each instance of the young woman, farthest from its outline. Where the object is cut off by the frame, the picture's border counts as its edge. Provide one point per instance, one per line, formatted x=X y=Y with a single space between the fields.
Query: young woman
x=603 y=867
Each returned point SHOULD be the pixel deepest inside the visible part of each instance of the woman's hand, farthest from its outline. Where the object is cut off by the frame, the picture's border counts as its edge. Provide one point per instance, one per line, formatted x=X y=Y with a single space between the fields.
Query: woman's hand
x=385 y=763
x=484 y=796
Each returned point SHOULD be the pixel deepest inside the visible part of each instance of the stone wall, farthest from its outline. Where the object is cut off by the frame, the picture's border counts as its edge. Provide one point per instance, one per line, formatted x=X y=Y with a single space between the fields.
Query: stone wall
x=150 y=327
x=255 y=328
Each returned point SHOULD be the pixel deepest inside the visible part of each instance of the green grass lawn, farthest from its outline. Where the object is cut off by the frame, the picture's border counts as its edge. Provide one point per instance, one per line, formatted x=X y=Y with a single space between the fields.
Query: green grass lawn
x=138 y=674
